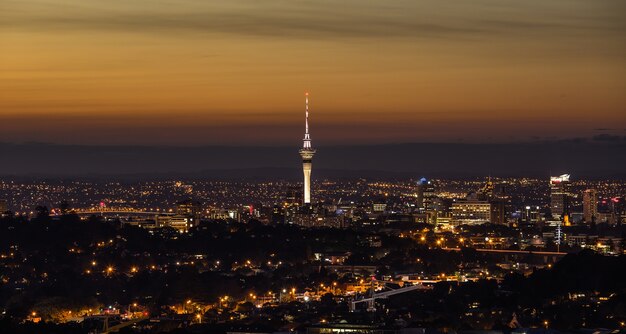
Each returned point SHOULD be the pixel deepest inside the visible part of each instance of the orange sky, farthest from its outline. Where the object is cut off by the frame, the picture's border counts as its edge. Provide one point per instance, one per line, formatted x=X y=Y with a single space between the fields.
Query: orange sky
x=233 y=72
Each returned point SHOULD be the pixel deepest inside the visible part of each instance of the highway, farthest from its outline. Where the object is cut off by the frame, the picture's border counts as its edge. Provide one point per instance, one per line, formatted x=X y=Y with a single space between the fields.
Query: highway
x=511 y=251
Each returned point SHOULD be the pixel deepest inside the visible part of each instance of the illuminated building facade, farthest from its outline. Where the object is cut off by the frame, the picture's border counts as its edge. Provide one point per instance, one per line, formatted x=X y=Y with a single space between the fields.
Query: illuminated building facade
x=531 y=215
x=189 y=209
x=471 y=210
x=558 y=194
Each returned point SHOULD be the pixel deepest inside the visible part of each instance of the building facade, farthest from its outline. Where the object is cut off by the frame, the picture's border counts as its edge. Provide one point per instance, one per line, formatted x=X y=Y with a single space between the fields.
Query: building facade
x=590 y=205
x=559 y=197
x=471 y=211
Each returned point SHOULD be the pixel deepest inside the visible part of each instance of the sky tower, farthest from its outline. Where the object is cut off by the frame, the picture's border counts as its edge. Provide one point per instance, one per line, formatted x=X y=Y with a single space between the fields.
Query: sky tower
x=307 y=152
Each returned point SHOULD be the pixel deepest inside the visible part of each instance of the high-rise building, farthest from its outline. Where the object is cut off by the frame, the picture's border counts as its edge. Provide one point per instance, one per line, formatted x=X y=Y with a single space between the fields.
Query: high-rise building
x=497 y=195
x=425 y=194
x=307 y=152
x=590 y=205
x=420 y=193
x=498 y=212
x=559 y=196
x=486 y=192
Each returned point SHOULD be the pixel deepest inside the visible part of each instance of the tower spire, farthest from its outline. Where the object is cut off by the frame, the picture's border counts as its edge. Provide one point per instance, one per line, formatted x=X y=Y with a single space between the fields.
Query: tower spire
x=307 y=138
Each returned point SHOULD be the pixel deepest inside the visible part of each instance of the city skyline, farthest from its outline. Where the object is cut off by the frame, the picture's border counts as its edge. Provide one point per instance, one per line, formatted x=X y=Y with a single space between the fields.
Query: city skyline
x=201 y=73
x=157 y=177
x=364 y=256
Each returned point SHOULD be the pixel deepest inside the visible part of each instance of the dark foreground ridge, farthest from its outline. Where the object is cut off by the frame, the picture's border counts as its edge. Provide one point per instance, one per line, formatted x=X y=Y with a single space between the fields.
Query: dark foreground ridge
x=255 y=278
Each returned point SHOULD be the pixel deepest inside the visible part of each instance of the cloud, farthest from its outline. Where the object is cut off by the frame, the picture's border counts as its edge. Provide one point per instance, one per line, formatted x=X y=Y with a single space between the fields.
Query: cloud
x=605 y=137
x=308 y=19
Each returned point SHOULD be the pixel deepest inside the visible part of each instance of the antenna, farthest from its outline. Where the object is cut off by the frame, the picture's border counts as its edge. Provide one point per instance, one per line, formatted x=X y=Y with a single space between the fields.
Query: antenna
x=307 y=137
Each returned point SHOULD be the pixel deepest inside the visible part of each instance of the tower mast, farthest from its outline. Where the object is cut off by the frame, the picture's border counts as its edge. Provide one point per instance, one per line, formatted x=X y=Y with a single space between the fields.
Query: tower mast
x=307 y=137
x=307 y=153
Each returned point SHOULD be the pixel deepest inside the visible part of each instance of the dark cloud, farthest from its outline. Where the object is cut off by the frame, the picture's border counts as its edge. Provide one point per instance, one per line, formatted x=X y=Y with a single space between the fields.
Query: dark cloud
x=307 y=18
x=605 y=137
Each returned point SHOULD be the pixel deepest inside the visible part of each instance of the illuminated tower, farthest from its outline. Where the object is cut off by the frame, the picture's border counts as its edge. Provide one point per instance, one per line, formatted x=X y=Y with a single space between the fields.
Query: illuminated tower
x=307 y=152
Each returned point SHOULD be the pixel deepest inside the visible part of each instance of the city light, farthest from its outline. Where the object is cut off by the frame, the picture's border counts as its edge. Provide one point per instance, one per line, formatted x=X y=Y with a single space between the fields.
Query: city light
x=348 y=253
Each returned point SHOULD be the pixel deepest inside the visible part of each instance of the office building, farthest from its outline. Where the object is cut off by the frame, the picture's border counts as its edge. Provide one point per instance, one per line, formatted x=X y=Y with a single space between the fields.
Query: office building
x=590 y=205
x=192 y=210
x=470 y=210
x=425 y=194
x=559 y=196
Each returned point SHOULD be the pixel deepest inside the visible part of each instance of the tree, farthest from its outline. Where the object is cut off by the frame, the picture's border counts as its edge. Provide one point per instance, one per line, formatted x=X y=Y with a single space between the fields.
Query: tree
x=64 y=206
x=43 y=214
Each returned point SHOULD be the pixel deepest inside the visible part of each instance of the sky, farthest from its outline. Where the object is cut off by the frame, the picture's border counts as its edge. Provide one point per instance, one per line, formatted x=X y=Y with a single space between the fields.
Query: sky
x=234 y=72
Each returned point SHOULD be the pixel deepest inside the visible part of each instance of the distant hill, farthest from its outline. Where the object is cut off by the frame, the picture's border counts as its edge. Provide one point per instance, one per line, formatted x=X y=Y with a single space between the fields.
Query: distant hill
x=581 y=158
